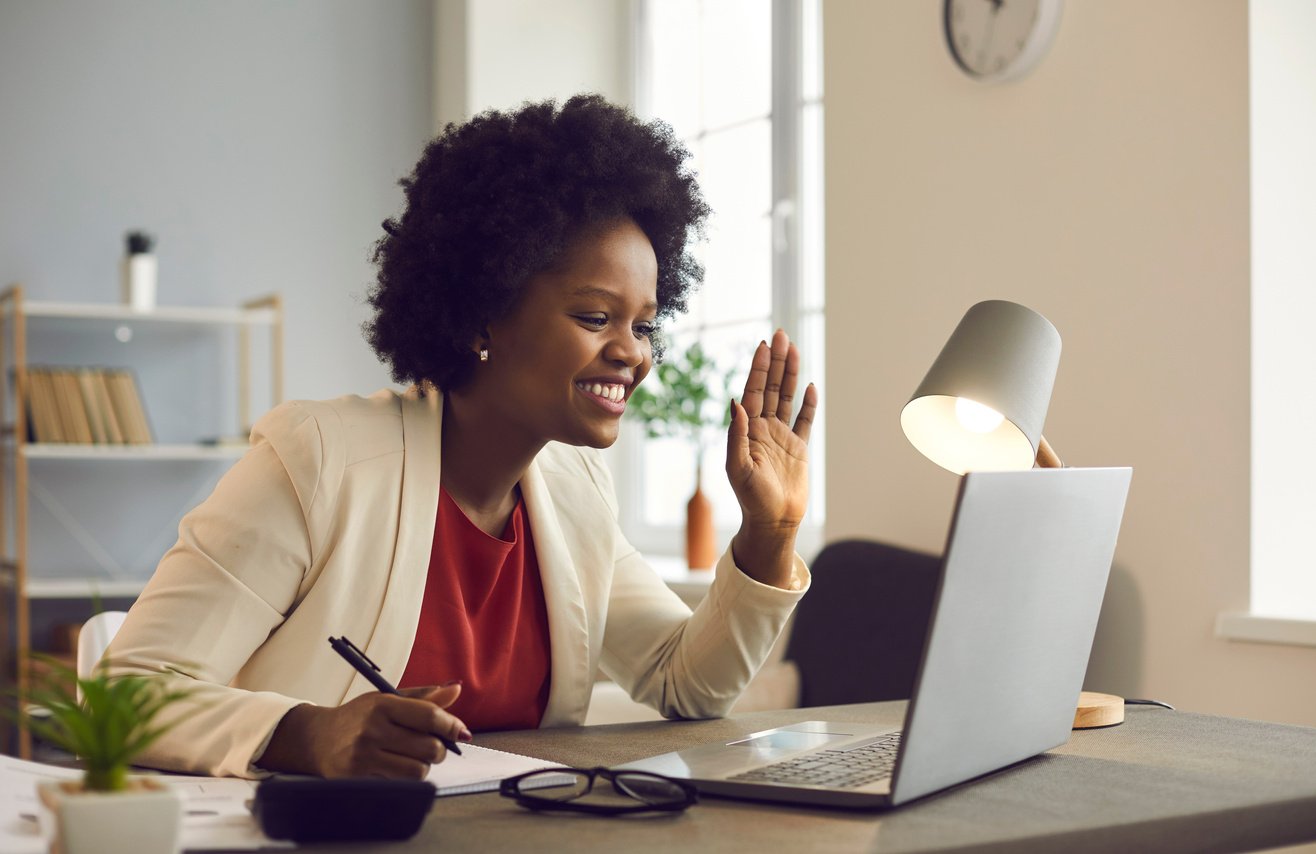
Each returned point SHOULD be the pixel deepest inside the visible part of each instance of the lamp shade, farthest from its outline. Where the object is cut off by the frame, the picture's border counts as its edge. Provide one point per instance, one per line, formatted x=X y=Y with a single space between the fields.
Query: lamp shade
x=983 y=401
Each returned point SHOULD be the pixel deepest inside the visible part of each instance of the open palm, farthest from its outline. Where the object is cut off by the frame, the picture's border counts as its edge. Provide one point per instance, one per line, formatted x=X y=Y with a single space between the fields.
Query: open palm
x=767 y=457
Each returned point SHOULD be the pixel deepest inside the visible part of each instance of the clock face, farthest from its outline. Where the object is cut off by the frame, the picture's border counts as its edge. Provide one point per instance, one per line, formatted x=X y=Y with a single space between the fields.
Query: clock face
x=1000 y=39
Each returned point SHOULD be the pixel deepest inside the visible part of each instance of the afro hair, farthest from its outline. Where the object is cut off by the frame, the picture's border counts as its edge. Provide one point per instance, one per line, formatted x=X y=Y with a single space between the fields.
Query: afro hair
x=499 y=198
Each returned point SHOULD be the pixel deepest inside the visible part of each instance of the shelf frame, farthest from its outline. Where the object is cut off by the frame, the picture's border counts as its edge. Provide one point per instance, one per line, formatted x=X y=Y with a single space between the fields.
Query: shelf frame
x=70 y=451
x=264 y=313
x=71 y=587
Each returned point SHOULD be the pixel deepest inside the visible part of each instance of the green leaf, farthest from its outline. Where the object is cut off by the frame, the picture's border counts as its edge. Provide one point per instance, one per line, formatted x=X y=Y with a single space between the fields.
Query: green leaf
x=111 y=725
x=684 y=397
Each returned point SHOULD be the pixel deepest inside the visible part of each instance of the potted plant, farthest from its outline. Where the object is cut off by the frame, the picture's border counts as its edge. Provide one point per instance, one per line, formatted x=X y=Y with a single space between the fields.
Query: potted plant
x=686 y=397
x=109 y=725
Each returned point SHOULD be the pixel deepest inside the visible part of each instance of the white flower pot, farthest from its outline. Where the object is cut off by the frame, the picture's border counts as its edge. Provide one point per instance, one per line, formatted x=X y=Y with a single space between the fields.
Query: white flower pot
x=145 y=819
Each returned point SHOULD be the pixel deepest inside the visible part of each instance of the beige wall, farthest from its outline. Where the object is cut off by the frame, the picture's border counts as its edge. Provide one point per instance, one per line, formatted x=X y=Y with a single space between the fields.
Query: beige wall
x=1109 y=191
x=499 y=53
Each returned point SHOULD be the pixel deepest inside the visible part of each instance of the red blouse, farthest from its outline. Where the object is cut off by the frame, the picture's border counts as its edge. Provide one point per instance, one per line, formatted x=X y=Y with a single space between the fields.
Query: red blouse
x=483 y=620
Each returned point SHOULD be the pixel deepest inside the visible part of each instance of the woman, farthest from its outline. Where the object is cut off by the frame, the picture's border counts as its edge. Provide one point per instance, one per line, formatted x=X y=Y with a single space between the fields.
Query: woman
x=464 y=533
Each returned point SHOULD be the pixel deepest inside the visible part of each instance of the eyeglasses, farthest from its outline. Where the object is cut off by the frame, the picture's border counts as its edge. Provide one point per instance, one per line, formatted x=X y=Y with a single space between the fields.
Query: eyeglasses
x=561 y=789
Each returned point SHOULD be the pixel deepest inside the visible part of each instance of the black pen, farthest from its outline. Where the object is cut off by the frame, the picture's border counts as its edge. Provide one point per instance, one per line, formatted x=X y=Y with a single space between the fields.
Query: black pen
x=370 y=670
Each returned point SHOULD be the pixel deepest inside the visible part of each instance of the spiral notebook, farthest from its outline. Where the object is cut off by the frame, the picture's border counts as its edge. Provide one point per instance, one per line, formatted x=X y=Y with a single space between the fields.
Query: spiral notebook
x=480 y=769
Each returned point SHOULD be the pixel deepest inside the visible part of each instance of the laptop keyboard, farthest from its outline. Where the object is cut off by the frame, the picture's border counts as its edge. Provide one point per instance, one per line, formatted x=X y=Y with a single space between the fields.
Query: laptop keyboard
x=836 y=769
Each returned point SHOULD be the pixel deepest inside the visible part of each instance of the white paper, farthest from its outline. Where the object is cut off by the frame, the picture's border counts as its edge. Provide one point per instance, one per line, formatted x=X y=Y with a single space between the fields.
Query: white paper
x=19 y=832
x=479 y=769
x=216 y=814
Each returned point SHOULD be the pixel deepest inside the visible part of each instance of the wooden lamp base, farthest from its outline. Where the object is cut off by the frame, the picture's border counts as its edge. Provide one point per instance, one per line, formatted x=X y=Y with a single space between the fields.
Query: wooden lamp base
x=1098 y=710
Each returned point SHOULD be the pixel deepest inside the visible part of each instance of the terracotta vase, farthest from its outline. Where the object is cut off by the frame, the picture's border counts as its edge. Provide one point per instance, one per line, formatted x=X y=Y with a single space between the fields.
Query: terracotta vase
x=700 y=538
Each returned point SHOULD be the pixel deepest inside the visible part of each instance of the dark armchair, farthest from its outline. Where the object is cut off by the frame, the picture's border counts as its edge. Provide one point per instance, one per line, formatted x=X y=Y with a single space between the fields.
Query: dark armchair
x=859 y=633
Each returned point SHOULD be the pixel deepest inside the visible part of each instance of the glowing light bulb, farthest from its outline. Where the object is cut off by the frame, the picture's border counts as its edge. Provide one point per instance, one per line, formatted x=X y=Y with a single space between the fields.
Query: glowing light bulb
x=975 y=417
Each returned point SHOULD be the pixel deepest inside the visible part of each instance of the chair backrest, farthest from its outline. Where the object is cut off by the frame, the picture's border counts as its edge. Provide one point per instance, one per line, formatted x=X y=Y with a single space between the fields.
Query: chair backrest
x=859 y=633
x=94 y=637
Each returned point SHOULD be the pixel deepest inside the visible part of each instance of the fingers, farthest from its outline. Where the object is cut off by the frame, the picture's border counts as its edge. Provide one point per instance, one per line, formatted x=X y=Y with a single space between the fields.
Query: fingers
x=804 y=421
x=401 y=739
x=413 y=745
x=376 y=734
x=394 y=766
x=773 y=376
x=790 y=376
x=738 y=438
x=442 y=696
x=779 y=355
x=757 y=381
x=423 y=715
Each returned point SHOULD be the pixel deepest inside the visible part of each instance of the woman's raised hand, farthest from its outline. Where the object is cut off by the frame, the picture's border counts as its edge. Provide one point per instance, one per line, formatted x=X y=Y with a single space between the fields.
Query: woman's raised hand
x=768 y=461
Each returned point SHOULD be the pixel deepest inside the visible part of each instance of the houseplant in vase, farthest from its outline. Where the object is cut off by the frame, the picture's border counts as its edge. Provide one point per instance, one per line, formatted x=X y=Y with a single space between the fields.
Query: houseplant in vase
x=107 y=727
x=687 y=397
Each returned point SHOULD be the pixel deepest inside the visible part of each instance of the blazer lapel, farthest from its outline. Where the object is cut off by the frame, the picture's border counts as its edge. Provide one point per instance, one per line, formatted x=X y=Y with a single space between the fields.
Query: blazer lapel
x=390 y=645
x=568 y=630
x=568 y=626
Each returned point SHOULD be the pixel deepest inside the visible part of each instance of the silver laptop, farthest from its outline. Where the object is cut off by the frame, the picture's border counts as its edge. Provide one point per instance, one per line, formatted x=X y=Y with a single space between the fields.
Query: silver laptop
x=1012 y=625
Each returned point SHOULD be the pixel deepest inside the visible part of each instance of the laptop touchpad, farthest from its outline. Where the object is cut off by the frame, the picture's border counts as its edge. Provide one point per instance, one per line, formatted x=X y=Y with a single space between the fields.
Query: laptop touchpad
x=786 y=739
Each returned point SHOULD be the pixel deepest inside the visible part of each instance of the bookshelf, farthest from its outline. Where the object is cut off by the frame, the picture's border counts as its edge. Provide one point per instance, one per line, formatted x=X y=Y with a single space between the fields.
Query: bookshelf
x=201 y=374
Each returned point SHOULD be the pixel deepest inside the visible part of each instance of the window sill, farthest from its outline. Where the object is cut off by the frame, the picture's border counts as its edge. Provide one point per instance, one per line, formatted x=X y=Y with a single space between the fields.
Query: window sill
x=1243 y=626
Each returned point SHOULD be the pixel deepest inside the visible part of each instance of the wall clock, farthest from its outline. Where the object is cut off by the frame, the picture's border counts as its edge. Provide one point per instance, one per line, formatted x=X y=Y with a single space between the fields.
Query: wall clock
x=998 y=40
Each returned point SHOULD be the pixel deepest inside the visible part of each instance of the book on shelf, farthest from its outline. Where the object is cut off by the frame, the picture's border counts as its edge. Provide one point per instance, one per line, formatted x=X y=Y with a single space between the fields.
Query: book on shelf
x=89 y=406
x=95 y=417
x=77 y=409
x=62 y=406
x=127 y=405
x=101 y=393
x=39 y=402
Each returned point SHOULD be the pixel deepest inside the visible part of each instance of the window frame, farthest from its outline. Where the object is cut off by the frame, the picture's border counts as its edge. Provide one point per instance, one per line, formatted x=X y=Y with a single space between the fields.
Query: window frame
x=1281 y=177
x=788 y=104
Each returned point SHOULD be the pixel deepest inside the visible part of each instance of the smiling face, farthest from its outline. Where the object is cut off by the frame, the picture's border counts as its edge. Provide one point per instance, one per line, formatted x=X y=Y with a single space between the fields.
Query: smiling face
x=564 y=361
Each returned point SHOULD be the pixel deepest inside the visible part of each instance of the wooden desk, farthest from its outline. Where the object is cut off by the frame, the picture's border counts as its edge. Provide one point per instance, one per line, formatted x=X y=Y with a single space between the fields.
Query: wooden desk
x=1162 y=781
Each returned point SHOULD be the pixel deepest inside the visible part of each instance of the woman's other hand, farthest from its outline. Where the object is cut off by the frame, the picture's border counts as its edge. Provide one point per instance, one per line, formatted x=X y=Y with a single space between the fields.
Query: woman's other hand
x=768 y=462
x=373 y=735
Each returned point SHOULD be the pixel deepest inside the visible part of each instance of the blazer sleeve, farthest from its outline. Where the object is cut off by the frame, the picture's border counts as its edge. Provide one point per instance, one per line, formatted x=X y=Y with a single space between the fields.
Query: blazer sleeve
x=233 y=575
x=687 y=665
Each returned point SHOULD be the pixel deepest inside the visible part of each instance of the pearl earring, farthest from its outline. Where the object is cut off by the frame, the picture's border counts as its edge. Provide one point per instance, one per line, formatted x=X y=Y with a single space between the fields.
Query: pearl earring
x=484 y=354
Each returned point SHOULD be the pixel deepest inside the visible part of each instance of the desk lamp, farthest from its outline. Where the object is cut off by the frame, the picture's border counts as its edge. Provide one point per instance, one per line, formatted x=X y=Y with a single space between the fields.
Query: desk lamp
x=983 y=401
x=981 y=408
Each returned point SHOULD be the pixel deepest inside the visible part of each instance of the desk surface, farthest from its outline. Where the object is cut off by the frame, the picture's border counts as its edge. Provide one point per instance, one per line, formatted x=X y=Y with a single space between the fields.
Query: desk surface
x=1164 y=781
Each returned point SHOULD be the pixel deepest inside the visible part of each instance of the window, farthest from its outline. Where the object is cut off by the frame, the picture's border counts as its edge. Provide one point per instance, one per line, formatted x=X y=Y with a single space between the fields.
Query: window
x=1283 y=80
x=740 y=82
x=1282 y=84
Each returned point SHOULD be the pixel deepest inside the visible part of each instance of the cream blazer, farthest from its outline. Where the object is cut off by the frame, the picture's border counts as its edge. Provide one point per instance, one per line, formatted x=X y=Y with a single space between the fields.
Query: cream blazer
x=324 y=527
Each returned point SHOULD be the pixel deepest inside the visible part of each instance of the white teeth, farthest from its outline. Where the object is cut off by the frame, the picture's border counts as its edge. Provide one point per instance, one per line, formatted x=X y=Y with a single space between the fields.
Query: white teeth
x=615 y=393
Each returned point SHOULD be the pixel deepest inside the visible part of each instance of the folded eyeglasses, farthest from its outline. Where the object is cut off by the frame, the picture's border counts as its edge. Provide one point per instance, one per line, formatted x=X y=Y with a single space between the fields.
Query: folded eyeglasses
x=564 y=789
